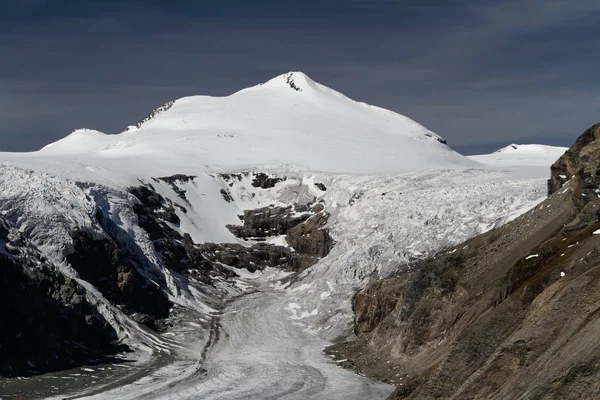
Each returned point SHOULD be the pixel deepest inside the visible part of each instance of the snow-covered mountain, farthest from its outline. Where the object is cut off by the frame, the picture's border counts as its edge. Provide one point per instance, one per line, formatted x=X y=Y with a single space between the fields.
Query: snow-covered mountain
x=288 y=121
x=330 y=190
x=522 y=155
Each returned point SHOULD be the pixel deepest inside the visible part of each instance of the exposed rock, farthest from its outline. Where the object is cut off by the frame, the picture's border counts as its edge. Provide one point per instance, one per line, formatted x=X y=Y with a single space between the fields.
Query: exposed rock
x=226 y=195
x=321 y=186
x=309 y=237
x=264 y=181
x=373 y=304
x=302 y=208
x=305 y=232
x=512 y=313
x=438 y=138
x=47 y=322
x=101 y=263
x=355 y=197
x=230 y=178
x=157 y=111
x=179 y=253
x=289 y=79
x=303 y=227
x=254 y=258
x=267 y=221
x=581 y=160
x=259 y=179
x=155 y=204
x=174 y=180
x=178 y=178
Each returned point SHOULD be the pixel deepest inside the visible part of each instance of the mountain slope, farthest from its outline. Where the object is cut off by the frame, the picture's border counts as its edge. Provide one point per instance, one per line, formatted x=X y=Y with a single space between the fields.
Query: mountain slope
x=512 y=313
x=289 y=121
x=47 y=322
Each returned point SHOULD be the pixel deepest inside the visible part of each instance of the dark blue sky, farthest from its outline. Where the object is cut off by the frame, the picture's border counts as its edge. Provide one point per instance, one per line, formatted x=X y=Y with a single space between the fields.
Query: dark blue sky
x=481 y=73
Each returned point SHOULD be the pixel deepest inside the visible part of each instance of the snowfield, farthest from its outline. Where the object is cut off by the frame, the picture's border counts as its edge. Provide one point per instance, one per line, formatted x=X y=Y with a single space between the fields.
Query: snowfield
x=269 y=126
x=394 y=190
x=526 y=155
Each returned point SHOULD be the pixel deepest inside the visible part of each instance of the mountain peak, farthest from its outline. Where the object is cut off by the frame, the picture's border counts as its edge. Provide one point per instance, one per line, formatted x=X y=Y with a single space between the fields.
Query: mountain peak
x=529 y=149
x=294 y=80
x=523 y=155
x=509 y=148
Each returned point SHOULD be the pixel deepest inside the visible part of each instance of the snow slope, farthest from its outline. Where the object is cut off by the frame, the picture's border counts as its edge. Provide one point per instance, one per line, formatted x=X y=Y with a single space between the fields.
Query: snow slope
x=289 y=120
x=522 y=155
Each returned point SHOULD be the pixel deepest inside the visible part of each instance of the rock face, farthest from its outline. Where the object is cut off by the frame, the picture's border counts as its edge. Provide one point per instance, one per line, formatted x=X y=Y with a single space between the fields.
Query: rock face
x=173 y=180
x=101 y=263
x=179 y=252
x=582 y=160
x=47 y=322
x=513 y=313
x=259 y=179
x=303 y=227
x=265 y=181
x=157 y=111
x=267 y=221
x=309 y=237
x=254 y=258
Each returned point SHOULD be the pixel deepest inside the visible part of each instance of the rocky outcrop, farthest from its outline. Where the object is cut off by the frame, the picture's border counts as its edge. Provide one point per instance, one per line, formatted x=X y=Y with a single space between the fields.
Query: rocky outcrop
x=232 y=178
x=309 y=237
x=289 y=79
x=156 y=112
x=47 y=322
x=320 y=186
x=264 y=181
x=254 y=258
x=267 y=221
x=303 y=227
x=101 y=263
x=582 y=160
x=154 y=205
x=227 y=195
x=179 y=253
x=376 y=302
x=259 y=179
x=173 y=182
x=513 y=313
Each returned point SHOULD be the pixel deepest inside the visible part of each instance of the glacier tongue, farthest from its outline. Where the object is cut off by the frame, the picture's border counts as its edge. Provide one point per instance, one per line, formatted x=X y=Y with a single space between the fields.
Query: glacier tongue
x=382 y=224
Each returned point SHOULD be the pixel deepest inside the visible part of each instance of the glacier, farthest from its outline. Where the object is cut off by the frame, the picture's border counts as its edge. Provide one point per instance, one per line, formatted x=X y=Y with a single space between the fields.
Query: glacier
x=395 y=193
